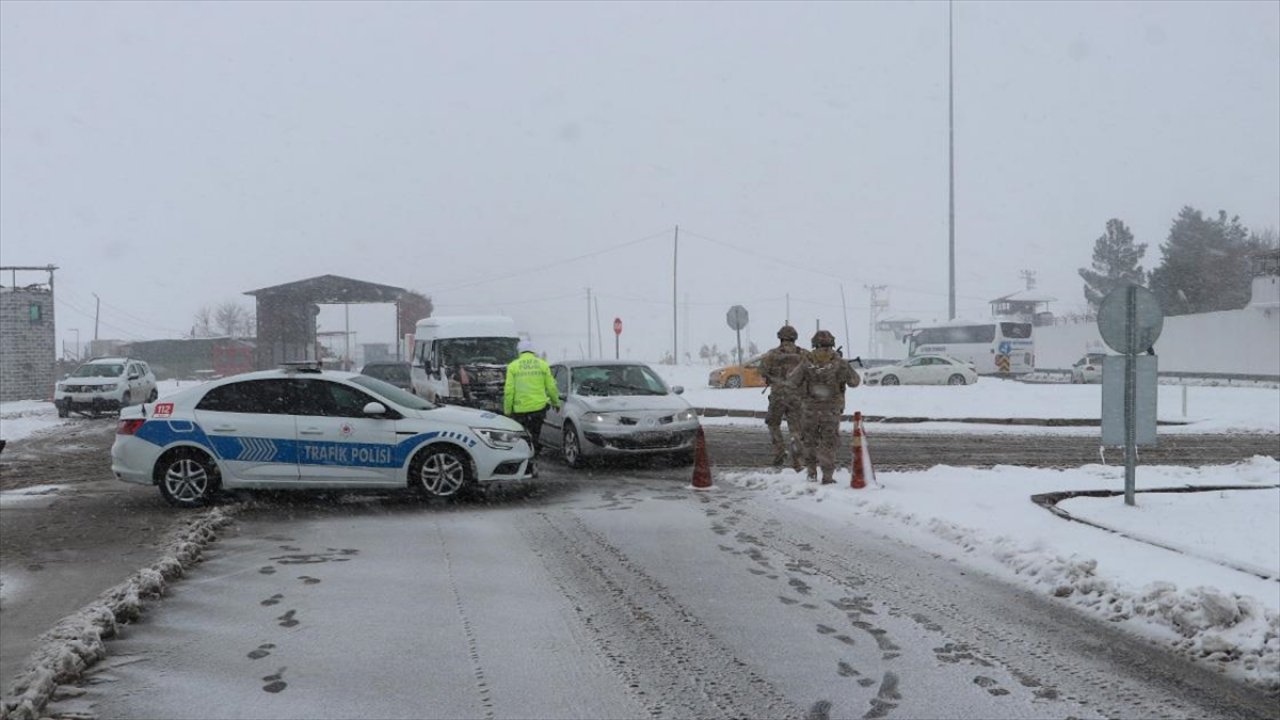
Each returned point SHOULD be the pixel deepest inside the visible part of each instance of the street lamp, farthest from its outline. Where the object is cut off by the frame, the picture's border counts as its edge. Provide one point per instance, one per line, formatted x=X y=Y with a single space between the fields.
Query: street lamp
x=77 y=332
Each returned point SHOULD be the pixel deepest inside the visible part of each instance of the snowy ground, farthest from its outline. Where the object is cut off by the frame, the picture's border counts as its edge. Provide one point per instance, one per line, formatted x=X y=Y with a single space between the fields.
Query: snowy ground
x=1196 y=593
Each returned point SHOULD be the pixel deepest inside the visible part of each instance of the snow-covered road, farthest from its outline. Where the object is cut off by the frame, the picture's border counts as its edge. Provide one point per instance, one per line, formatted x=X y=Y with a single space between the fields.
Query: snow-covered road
x=618 y=595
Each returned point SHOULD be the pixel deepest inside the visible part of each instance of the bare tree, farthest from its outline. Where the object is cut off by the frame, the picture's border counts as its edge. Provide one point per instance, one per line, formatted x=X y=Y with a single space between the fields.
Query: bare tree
x=202 y=322
x=229 y=318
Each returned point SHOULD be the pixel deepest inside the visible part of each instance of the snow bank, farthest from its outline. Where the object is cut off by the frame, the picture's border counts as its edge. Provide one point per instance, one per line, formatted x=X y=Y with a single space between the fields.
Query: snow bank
x=23 y=418
x=76 y=642
x=1188 y=601
x=1209 y=409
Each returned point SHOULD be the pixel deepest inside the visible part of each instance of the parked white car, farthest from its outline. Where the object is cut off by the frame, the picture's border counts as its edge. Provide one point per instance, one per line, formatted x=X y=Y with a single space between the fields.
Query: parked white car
x=105 y=385
x=618 y=408
x=306 y=428
x=923 y=370
x=1088 y=369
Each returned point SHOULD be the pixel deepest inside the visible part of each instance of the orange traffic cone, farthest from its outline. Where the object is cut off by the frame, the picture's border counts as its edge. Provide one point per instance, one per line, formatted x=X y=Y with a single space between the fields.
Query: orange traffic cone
x=701 y=466
x=859 y=472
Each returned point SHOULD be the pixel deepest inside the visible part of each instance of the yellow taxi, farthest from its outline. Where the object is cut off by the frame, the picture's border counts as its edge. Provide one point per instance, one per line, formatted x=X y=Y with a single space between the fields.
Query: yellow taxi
x=735 y=376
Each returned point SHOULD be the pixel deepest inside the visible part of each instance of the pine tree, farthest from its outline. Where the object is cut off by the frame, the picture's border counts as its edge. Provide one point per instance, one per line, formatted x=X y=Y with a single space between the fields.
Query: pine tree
x=1205 y=267
x=1115 y=263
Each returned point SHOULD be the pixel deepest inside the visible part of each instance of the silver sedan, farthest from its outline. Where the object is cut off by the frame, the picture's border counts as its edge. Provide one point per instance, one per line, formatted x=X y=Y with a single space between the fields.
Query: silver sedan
x=618 y=408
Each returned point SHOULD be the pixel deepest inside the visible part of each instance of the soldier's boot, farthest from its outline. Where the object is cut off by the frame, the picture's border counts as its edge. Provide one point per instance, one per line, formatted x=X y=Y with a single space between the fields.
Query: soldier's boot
x=811 y=474
x=779 y=457
x=827 y=479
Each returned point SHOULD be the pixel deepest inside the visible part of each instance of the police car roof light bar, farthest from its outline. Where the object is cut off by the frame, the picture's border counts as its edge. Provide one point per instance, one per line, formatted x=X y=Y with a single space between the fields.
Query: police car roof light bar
x=312 y=366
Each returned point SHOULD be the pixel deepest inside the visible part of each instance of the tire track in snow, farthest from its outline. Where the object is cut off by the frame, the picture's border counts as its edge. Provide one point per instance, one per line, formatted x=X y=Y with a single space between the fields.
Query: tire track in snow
x=468 y=629
x=671 y=663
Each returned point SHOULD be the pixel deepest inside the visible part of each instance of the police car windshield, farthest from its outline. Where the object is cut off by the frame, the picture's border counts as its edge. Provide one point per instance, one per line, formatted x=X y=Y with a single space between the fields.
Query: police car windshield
x=101 y=370
x=392 y=393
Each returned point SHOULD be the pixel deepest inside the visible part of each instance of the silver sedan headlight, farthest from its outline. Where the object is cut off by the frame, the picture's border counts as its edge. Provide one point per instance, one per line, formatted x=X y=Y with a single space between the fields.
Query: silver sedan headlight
x=499 y=439
x=595 y=418
x=686 y=415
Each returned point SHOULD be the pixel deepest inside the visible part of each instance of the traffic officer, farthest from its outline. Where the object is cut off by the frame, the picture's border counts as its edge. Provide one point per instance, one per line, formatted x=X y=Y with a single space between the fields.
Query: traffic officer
x=820 y=379
x=527 y=392
x=784 y=402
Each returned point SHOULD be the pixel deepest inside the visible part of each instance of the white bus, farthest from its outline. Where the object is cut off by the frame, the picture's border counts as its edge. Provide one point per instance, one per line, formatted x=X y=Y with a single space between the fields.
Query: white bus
x=998 y=347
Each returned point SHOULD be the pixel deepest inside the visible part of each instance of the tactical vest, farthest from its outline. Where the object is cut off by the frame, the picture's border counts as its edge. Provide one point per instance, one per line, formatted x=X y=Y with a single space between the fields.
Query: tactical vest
x=823 y=378
x=782 y=360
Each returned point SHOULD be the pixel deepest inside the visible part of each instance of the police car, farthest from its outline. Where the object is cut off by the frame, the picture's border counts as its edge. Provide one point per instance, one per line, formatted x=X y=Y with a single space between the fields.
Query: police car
x=307 y=428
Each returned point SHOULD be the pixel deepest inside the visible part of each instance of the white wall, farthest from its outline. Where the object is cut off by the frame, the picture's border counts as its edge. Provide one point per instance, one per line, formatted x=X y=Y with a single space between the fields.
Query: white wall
x=1245 y=341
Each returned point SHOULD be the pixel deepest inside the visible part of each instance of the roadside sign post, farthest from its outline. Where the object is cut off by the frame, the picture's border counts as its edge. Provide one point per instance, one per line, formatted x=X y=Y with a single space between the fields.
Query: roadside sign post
x=1130 y=321
x=737 y=319
x=617 y=334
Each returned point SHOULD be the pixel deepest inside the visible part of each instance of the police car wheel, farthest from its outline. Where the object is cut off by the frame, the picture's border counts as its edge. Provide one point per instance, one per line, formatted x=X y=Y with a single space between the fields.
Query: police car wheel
x=956 y=379
x=63 y=411
x=734 y=381
x=187 y=478
x=572 y=447
x=440 y=472
x=125 y=399
x=889 y=380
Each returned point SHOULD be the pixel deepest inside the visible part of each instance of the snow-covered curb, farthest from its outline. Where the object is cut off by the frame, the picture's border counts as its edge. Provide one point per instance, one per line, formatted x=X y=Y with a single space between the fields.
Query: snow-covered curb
x=76 y=642
x=1231 y=632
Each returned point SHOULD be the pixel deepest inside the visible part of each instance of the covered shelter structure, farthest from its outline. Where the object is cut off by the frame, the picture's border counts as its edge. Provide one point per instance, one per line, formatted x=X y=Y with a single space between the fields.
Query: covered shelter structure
x=286 y=314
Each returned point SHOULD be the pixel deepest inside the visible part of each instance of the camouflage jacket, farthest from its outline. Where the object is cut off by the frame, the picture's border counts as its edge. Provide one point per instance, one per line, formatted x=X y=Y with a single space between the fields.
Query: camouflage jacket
x=822 y=376
x=777 y=364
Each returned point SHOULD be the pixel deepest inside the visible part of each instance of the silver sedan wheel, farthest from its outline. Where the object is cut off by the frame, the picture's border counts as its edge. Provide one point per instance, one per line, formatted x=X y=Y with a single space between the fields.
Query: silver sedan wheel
x=571 y=449
x=442 y=473
x=956 y=379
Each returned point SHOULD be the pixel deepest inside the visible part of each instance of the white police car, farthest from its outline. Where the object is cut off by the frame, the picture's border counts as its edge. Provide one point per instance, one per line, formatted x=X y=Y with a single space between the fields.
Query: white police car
x=301 y=427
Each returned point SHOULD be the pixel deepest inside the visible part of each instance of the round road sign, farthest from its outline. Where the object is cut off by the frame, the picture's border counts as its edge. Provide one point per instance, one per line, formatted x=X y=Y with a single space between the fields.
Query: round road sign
x=617 y=326
x=1113 y=319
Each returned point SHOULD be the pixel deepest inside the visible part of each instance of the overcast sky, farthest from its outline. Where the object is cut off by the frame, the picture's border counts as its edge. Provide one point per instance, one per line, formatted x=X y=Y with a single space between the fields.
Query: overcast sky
x=506 y=157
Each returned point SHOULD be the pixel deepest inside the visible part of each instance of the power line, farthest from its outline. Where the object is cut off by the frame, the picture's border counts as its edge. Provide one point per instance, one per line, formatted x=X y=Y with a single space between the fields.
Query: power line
x=803 y=268
x=557 y=263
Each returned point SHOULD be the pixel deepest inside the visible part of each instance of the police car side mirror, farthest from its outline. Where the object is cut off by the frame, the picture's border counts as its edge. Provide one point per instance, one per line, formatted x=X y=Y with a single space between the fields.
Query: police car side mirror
x=375 y=409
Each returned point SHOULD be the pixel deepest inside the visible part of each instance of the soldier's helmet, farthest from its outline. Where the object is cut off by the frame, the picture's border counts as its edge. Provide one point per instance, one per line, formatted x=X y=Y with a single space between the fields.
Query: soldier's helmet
x=786 y=332
x=824 y=338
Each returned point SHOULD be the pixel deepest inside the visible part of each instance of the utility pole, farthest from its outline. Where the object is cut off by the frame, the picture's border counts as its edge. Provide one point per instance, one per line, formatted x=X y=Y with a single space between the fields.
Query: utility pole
x=599 y=335
x=844 y=309
x=588 y=323
x=97 y=307
x=951 y=164
x=675 y=312
x=1030 y=277
x=876 y=305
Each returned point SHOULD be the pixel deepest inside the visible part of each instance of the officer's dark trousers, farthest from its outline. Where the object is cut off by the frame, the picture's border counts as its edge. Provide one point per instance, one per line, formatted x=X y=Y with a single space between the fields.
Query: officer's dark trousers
x=532 y=423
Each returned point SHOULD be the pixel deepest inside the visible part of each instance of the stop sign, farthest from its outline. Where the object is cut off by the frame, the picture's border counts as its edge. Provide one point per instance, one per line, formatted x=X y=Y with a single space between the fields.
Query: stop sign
x=617 y=326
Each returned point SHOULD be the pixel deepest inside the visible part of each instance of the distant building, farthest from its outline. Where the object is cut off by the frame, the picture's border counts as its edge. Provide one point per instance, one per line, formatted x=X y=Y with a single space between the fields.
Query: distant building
x=191 y=358
x=1024 y=306
x=28 y=343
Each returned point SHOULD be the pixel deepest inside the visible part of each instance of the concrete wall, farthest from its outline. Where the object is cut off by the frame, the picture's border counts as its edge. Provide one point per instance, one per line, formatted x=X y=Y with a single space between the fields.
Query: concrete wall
x=28 y=350
x=1245 y=341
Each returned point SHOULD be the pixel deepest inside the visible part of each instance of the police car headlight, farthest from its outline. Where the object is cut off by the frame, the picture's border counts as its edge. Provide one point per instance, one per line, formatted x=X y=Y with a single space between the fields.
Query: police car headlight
x=594 y=418
x=499 y=439
x=686 y=415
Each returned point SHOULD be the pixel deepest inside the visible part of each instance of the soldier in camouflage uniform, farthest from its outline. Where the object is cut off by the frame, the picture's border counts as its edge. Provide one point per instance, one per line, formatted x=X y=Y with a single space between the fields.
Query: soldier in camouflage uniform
x=784 y=402
x=820 y=380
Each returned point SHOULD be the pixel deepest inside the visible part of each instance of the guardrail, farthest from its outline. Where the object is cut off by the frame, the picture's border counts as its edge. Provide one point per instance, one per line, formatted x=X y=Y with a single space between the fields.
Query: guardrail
x=1196 y=378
